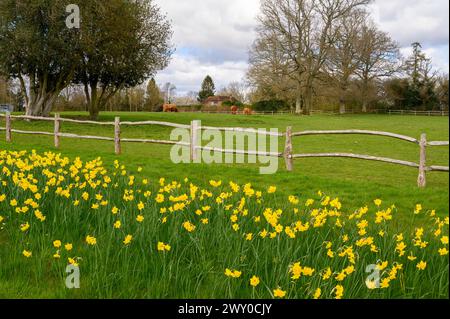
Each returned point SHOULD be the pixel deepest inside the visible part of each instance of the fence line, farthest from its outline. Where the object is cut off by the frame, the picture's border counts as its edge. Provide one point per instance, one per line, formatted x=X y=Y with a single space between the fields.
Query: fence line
x=242 y=130
x=358 y=156
x=363 y=132
x=241 y=152
x=438 y=143
x=155 y=123
x=195 y=145
x=150 y=141
x=333 y=112
x=414 y=112
x=383 y=111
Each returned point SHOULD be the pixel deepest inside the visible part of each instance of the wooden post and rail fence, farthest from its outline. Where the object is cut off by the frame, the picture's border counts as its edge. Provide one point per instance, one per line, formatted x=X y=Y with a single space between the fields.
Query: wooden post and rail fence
x=195 y=144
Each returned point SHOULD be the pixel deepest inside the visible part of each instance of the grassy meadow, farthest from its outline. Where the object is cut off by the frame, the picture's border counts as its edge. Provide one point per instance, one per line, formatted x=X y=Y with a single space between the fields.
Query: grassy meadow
x=153 y=229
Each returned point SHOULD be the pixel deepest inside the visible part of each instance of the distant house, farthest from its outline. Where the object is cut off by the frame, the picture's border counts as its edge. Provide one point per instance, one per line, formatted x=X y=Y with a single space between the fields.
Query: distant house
x=218 y=100
x=4 y=108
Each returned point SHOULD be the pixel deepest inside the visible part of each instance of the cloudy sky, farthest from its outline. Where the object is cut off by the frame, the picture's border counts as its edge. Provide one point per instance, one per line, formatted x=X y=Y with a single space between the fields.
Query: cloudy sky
x=213 y=36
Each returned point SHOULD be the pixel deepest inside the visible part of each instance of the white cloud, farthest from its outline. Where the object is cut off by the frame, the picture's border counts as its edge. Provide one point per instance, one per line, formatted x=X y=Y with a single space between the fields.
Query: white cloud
x=225 y=28
x=214 y=36
x=187 y=73
x=408 y=21
x=211 y=37
x=424 y=21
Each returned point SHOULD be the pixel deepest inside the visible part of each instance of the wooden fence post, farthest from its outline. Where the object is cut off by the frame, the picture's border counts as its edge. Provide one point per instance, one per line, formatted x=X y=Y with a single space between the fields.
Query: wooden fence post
x=195 y=127
x=8 y=127
x=422 y=180
x=56 y=129
x=117 y=146
x=288 y=150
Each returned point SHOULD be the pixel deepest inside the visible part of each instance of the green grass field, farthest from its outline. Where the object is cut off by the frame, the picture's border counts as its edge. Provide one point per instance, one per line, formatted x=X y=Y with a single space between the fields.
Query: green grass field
x=354 y=181
x=195 y=265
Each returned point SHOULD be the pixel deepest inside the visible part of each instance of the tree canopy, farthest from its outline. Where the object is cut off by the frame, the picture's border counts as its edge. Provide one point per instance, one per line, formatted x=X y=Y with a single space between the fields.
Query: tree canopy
x=331 y=51
x=153 y=101
x=119 y=45
x=123 y=43
x=35 y=44
x=208 y=89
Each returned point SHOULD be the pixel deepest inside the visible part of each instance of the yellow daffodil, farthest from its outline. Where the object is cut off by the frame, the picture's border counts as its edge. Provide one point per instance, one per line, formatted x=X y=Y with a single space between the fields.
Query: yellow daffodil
x=254 y=281
x=189 y=226
x=317 y=293
x=278 y=293
x=90 y=240
x=215 y=183
x=128 y=239
x=421 y=265
x=339 y=292
x=418 y=209
x=232 y=273
x=271 y=190
x=163 y=247
x=140 y=218
x=25 y=227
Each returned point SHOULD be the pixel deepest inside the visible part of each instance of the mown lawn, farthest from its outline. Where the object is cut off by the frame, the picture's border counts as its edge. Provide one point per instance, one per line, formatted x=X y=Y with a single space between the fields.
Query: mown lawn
x=354 y=181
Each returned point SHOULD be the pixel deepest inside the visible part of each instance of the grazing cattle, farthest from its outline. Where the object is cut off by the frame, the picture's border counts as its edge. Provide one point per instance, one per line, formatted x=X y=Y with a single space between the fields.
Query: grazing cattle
x=234 y=110
x=248 y=111
x=170 y=108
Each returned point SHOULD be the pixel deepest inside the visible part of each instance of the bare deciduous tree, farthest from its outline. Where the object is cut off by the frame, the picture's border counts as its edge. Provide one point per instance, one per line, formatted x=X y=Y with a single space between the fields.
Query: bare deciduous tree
x=236 y=89
x=304 y=31
x=379 y=57
x=270 y=73
x=344 y=54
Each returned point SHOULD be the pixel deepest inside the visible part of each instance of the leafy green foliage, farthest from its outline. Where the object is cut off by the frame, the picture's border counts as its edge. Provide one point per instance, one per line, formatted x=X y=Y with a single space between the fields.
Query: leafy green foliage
x=35 y=43
x=119 y=45
x=208 y=89
x=270 y=105
x=154 y=101
x=231 y=103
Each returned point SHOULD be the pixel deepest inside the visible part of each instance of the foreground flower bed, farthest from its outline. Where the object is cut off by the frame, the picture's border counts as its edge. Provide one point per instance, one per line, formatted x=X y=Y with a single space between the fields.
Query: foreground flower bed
x=132 y=237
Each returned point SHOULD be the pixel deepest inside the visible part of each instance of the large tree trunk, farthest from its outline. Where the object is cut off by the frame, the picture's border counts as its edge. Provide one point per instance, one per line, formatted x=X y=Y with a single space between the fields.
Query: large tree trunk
x=308 y=100
x=364 y=105
x=342 y=109
x=93 y=101
x=93 y=110
x=97 y=99
x=41 y=103
x=48 y=104
x=299 y=104
x=34 y=107
x=43 y=94
x=364 y=96
x=343 y=93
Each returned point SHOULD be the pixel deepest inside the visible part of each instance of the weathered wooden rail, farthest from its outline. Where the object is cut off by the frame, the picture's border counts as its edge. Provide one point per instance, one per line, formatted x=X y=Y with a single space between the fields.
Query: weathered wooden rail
x=422 y=142
x=195 y=146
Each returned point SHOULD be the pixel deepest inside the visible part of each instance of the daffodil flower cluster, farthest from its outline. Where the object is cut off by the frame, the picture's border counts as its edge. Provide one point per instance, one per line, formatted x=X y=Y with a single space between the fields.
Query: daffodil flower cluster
x=61 y=211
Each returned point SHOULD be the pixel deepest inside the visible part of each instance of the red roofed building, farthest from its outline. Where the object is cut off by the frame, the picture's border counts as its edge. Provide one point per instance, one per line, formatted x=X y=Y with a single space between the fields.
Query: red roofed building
x=218 y=100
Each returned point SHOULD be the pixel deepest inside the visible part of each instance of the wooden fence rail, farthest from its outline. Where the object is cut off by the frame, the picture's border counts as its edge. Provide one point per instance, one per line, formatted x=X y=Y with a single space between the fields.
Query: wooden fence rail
x=361 y=132
x=195 y=145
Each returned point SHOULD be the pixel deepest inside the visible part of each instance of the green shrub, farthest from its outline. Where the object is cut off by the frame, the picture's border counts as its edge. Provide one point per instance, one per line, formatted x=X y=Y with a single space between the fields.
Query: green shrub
x=230 y=103
x=270 y=105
